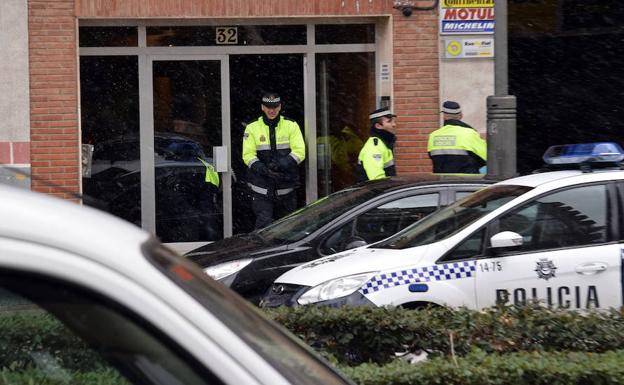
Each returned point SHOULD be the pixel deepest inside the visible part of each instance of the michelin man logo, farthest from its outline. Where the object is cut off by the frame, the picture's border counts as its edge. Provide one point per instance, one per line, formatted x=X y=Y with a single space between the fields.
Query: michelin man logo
x=545 y=269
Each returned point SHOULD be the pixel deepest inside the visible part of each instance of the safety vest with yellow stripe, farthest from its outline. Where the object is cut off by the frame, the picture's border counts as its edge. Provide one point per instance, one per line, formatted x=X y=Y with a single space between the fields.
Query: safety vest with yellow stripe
x=457 y=149
x=268 y=144
x=376 y=160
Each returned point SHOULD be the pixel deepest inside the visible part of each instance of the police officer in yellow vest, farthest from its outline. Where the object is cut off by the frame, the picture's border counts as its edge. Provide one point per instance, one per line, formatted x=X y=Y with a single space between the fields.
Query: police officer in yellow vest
x=376 y=159
x=273 y=147
x=456 y=148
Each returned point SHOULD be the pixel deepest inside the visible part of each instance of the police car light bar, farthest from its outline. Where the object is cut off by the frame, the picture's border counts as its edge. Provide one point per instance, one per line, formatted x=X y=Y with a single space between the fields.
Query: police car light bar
x=570 y=154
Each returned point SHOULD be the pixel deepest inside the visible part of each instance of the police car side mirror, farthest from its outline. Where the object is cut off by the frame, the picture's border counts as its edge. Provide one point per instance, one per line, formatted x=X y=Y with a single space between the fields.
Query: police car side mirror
x=506 y=239
x=354 y=242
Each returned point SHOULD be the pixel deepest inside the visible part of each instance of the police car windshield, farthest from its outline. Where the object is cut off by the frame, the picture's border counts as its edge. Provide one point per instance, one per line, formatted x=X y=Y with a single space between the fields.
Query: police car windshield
x=312 y=217
x=453 y=218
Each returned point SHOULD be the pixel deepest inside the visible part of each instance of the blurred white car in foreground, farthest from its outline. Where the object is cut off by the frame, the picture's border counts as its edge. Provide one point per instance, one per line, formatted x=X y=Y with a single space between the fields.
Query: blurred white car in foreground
x=103 y=302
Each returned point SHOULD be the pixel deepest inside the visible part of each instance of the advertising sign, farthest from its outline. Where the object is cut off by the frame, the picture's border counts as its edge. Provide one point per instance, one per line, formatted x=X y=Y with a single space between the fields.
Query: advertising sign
x=465 y=48
x=459 y=17
x=467 y=3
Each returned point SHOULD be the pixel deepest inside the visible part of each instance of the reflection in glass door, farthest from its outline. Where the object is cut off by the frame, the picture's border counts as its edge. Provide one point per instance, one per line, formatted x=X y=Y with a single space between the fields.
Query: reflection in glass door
x=187 y=116
x=109 y=107
x=343 y=100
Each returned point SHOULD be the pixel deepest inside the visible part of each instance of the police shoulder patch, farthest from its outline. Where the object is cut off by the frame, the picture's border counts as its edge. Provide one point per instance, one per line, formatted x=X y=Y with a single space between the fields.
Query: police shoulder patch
x=245 y=136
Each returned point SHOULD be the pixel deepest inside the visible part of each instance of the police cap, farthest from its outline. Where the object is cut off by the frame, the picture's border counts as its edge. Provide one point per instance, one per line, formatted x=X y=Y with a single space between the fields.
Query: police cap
x=271 y=100
x=451 y=107
x=385 y=111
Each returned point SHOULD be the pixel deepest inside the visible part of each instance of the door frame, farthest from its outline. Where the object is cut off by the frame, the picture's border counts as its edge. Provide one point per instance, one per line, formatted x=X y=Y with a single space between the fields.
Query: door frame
x=146 y=134
x=146 y=54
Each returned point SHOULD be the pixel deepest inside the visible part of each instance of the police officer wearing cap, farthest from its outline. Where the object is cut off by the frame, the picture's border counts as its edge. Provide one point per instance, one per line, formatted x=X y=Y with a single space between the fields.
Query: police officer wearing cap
x=273 y=147
x=376 y=159
x=456 y=148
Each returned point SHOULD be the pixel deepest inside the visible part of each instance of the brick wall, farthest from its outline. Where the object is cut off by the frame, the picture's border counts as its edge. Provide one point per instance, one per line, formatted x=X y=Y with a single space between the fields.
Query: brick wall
x=14 y=153
x=53 y=97
x=416 y=88
x=230 y=8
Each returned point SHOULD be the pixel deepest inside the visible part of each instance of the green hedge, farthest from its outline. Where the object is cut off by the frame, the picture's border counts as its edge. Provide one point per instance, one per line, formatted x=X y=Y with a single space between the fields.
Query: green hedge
x=529 y=345
x=368 y=334
x=25 y=334
x=480 y=368
x=39 y=377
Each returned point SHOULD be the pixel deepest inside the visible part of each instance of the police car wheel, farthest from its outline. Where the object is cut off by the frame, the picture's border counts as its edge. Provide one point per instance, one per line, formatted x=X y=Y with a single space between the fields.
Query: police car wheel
x=419 y=305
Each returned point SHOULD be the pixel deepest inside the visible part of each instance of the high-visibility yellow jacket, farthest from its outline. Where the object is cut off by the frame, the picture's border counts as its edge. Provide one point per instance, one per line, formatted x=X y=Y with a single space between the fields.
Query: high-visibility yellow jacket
x=376 y=160
x=456 y=148
x=277 y=145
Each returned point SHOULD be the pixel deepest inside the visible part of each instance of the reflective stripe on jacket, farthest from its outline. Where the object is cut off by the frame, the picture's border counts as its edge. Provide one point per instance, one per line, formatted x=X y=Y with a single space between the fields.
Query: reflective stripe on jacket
x=457 y=150
x=268 y=145
x=376 y=160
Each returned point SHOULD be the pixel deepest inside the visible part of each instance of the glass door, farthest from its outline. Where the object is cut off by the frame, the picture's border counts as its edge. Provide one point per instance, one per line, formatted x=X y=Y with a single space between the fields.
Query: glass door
x=249 y=78
x=191 y=199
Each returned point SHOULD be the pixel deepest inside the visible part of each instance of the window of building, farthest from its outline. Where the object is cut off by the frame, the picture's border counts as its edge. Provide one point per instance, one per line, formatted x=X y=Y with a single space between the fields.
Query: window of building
x=344 y=33
x=342 y=107
x=109 y=99
x=226 y=35
x=108 y=36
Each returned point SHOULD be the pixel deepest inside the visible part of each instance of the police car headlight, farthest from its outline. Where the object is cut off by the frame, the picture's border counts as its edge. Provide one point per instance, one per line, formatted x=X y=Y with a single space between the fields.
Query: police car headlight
x=335 y=288
x=226 y=269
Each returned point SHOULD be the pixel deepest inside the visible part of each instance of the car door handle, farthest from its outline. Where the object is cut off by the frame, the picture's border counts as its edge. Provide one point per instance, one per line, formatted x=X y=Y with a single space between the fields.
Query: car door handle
x=591 y=268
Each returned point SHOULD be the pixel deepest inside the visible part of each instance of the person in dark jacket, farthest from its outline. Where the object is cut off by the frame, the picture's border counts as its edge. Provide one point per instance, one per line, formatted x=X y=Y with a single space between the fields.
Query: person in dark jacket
x=376 y=159
x=273 y=147
x=456 y=148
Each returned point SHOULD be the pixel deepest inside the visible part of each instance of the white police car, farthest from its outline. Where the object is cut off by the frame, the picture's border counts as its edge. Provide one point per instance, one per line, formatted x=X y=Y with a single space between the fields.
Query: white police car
x=89 y=298
x=554 y=236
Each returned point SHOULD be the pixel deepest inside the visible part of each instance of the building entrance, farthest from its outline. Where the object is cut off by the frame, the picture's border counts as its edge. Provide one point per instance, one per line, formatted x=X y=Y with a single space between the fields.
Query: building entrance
x=155 y=111
x=250 y=76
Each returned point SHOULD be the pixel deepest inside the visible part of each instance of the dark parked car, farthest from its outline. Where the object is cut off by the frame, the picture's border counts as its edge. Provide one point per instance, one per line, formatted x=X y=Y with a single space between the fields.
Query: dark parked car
x=187 y=208
x=352 y=217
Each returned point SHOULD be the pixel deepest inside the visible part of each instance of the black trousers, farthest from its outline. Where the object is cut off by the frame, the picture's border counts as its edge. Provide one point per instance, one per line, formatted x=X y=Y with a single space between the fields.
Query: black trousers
x=267 y=210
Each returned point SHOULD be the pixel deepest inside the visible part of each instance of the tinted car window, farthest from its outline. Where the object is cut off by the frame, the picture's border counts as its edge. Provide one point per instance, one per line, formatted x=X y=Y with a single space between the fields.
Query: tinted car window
x=381 y=222
x=52 y=331
x=572 y=217
x=316 y=215
x=469 y=248
x=454 y=218
x=462 y=194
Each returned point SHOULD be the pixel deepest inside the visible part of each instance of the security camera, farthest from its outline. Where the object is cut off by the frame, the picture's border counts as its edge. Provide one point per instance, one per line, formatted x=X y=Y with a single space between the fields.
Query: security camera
x=407 y=11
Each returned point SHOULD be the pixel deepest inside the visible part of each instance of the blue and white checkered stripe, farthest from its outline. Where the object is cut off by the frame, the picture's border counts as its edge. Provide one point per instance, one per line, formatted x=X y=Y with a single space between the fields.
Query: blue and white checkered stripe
x=444 y=272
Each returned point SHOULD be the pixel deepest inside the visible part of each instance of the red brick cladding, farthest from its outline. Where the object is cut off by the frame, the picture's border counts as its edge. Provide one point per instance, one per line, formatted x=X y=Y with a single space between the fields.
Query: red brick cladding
x=53 y=96
x=416 y=87
x=53 y=77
